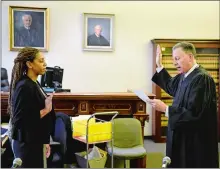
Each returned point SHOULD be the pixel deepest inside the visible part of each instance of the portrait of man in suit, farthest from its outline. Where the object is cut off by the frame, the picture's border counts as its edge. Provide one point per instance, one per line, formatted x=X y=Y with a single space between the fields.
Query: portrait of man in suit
x=98 y=35
x=29 y=28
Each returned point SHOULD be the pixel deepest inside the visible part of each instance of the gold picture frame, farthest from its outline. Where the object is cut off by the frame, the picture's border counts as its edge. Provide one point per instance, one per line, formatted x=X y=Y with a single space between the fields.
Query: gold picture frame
x=28 y=26
x=98 y=34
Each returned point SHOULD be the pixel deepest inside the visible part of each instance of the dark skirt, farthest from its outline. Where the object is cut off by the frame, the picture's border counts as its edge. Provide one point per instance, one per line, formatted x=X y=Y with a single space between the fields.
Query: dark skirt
x=30 y=154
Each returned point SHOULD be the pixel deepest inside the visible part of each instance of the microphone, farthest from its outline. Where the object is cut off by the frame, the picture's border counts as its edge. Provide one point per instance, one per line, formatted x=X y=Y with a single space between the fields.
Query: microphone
x=166 y=162
x=17 y=163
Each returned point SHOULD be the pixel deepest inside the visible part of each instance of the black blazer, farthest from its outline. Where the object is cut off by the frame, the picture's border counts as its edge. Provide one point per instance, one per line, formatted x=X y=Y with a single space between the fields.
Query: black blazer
x=27 y=101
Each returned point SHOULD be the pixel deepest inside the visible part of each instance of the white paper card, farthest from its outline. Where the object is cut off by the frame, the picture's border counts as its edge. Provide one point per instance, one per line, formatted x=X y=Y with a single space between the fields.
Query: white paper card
x=142 y=95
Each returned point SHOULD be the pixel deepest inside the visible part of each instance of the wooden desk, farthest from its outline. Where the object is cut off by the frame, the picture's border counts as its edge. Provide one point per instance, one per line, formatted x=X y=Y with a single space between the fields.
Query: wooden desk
x=73 y=104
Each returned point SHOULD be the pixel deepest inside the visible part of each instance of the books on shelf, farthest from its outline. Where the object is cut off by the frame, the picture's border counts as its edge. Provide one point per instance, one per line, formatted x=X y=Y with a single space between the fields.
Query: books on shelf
x=164 y=94
x=164 y=123
x=206 y=61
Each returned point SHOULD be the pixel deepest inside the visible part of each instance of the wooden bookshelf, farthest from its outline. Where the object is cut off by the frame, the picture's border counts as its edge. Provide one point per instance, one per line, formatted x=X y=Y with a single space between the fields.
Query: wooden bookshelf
x=208 y=56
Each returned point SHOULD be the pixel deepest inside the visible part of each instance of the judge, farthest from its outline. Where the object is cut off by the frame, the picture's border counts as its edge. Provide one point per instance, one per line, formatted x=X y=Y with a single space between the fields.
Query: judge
x=27 y=35
x=192 y=118
x=97 y=39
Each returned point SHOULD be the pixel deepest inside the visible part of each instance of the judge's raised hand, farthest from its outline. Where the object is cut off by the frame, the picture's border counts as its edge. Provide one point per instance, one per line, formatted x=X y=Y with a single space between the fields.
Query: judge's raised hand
x=158 y=105
x=159 y=57
x=48 y=103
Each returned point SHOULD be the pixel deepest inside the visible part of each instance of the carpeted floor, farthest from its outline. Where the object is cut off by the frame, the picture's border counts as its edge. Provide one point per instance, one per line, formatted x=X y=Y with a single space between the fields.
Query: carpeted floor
x=154 y=160
x=156 y=152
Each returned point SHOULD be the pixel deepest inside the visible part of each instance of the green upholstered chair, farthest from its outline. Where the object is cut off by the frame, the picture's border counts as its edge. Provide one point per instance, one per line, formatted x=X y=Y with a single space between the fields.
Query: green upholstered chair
x=128 y=140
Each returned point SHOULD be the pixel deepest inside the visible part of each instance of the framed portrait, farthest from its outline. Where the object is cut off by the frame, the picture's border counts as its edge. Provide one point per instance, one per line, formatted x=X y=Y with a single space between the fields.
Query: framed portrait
x=29 y=26
x=98 y=34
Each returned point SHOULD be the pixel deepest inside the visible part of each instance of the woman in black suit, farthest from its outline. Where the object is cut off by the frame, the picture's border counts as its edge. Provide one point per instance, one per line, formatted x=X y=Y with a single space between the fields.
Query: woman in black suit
x=31 y=113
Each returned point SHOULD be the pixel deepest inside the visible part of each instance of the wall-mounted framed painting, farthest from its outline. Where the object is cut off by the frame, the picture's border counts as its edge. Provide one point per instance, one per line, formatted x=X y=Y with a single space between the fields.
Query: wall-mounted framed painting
x=29 y=26
x=98 y=34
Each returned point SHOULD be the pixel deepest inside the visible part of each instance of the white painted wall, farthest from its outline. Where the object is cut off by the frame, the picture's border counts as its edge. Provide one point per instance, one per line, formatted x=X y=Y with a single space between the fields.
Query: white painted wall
x=136 y=23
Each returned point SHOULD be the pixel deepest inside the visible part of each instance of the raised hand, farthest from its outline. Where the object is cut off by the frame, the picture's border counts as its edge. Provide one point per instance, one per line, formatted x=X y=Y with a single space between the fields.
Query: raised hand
x=159 y=57
x=48 y=150
x=48 y=103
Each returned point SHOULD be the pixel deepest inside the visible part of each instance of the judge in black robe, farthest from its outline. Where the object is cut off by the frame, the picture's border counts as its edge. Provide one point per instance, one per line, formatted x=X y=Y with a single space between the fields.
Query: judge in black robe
x=28 y=37
x=94 y=40
x=97 y=39
x=192 y=118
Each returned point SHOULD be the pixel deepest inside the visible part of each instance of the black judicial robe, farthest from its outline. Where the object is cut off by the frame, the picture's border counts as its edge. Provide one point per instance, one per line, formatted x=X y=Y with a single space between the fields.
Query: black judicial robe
x=93 y=40
x=192 y=124
x=28 y=37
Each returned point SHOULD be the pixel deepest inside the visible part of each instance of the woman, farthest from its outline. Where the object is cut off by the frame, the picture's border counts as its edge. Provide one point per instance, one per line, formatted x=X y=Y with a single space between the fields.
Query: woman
x=32 y=117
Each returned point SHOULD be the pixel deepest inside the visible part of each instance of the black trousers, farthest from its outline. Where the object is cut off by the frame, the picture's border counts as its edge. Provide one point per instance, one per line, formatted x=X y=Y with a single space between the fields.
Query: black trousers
x=30 y=154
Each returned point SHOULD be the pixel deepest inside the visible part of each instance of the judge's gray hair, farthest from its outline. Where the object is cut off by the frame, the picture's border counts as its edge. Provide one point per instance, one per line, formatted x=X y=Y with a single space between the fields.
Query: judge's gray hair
x=186 y=47
x=26 y=15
